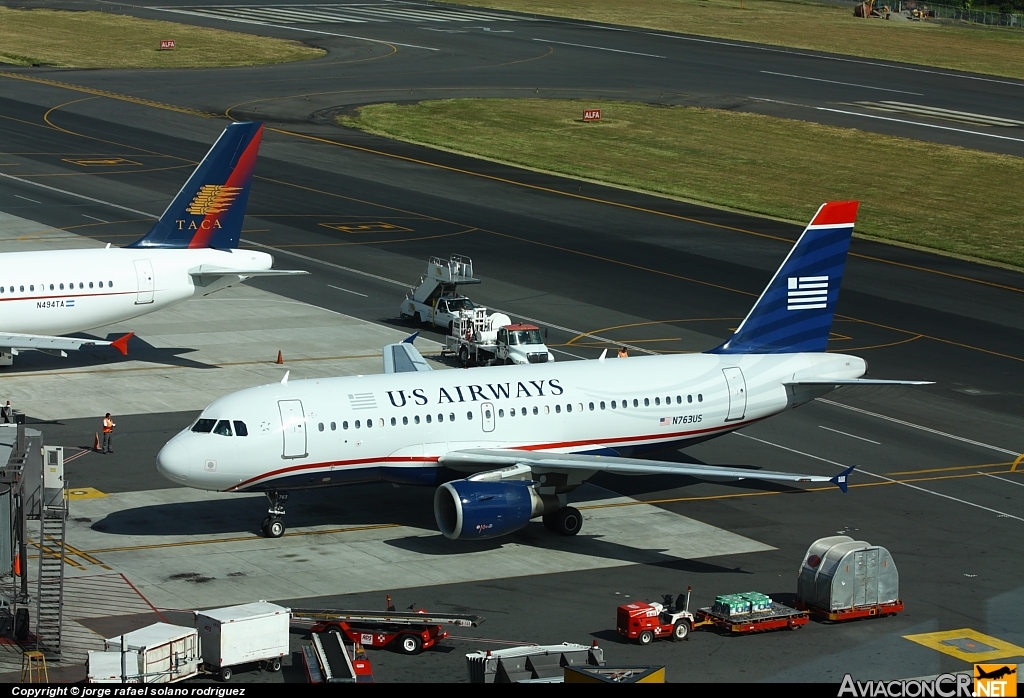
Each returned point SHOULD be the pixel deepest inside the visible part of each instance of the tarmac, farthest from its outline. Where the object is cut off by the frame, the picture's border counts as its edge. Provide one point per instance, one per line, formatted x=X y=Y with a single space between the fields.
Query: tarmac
x=595 y=267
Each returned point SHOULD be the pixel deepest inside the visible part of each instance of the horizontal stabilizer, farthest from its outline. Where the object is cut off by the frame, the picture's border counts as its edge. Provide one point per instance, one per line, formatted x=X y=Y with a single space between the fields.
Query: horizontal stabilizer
x=842 y=479
x=12 y=343
x=213 y=271
x=475 y=460
x=403 y=357
x=856 y=381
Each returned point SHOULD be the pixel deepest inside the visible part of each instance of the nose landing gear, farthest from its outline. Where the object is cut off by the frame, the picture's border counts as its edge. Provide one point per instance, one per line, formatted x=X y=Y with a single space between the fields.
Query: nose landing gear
x=273 y=525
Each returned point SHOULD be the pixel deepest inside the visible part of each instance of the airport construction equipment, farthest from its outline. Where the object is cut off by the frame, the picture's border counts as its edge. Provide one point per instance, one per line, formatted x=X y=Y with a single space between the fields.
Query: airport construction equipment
x=245 y=634
x=328 y=660
x=436 y=300
x=412 y=632
x=841 y=579
x=531 y=663
x=158 y=653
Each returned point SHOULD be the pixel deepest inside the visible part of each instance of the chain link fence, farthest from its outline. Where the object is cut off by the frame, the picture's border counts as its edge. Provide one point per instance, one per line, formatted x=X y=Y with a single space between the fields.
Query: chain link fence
x=993 y=19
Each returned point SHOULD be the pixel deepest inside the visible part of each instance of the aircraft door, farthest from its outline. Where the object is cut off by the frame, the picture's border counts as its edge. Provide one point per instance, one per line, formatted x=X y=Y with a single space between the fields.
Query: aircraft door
x=144 y=273
x=293 y=423
x=737 y=393
x=487 y=416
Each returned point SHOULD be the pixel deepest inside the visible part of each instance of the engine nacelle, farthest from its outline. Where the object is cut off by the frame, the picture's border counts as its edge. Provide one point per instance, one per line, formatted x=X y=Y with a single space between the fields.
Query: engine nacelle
x=477 y=510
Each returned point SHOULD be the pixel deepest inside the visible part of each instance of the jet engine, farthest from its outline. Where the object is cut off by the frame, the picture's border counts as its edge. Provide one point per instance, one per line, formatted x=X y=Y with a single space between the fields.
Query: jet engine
x=477 y=509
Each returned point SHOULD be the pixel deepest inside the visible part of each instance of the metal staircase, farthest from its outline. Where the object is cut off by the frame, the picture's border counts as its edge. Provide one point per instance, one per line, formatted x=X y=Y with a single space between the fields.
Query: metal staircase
x=50 y=581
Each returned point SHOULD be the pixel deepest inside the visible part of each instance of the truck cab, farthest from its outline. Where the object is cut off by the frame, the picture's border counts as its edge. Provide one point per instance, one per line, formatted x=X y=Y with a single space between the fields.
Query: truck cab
x=522 y=344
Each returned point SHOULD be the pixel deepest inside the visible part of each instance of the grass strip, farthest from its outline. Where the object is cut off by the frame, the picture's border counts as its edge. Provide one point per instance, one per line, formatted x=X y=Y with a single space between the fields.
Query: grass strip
x=805 y=25
x=946 y=198
x=105 y=40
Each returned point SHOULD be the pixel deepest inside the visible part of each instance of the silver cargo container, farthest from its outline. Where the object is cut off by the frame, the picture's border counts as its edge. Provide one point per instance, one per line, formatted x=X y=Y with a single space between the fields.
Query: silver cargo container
x=839 y=572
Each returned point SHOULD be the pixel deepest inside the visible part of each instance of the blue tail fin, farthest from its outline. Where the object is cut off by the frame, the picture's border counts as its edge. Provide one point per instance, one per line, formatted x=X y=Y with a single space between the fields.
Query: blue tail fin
x=794 y=313
x=209 y=209
x=842 y=480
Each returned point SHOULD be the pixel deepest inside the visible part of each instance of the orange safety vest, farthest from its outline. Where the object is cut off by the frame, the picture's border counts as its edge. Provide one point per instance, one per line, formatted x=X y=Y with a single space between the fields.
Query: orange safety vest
x=108 y=425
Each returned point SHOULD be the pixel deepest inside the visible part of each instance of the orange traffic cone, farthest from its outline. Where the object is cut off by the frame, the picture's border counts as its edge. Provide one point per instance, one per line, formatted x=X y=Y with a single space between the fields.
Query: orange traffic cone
x=17 y=565
x=280 y=357
x=96 y=441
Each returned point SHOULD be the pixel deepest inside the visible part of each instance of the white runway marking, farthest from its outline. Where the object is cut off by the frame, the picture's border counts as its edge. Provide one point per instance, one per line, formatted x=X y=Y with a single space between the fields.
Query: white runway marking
x=1012 y=482
x=344 y=14
x=1002 y=514
x=852 y=436
x=918 y=426
x=357 y=293
x=28 y=199
x=95 y=218
x=599 y=48
x=848 y=84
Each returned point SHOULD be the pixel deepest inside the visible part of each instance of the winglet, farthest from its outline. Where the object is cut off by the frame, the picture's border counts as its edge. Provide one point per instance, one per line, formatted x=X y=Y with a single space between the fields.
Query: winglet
x=603 y=354
x=841 y=480
x=411 y=338
x=284 y=381
x=121 y=343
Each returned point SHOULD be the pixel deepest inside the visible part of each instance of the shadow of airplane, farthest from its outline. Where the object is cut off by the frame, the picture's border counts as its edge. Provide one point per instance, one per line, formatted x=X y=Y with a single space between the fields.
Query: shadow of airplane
x=87 y=357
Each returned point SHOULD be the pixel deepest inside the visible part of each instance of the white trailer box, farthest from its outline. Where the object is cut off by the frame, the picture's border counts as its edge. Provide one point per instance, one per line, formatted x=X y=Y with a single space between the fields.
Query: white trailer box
x=105 y=667
x=252 y=632
x=158 y=653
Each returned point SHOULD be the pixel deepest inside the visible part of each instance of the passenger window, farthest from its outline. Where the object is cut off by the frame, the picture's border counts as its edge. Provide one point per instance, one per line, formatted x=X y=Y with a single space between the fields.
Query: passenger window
x=501 y=413
x=523 y=412
x=405 y=420
x=547 y=409
x=700 y=398
x=101 y=284
x=110 y=284
x=558 y=409
x=21 y=289
x=689 y=398
x=451 y=417
x=487 y=414
x=512 y=412
x=440 y=418
x=204 y=426
x=679 y=399
x=334 y=426
x=62 y=287
x=602 y=404
x=613 y=404
x=51 y=287
x=81 y=285
x=591 y=407
x=469 y=415
x=32 y=288
x=579 y=406
x=535 y=410
x=344 y=425
x=381 y=420
x=241 y=429
x=357 y=424
x=647 y=402
x=369 y=424
x=657 y=401
x=223 y=428
x=394 y=421
x=428 y=419
x=320 y=426
x=568 y=408
x=90 y=284
x=416 y=419
x=636 y=403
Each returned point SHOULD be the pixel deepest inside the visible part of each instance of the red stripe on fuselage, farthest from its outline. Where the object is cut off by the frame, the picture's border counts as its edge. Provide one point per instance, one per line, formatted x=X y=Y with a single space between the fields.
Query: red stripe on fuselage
x=536 y=447
x=241 y=174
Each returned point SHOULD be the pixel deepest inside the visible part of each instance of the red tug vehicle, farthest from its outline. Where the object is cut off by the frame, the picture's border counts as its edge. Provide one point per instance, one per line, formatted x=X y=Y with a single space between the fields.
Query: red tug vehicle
x=643 y=622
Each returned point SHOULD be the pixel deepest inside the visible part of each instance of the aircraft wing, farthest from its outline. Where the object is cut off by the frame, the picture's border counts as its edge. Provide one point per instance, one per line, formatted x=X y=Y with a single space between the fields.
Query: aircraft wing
x=12 y=343
x=404 y=357
x=494 y=458
x=210 y=270
x=856 y=381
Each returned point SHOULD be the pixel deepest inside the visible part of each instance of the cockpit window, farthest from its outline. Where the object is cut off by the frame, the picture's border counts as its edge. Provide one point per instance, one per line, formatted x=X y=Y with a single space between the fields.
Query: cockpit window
x=204 y=426
x=223 y=428
x=240 y=429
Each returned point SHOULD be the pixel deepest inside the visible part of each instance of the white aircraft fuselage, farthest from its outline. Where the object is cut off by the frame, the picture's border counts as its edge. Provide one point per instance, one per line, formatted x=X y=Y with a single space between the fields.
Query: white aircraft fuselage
x=395 y=427
x=65 y=291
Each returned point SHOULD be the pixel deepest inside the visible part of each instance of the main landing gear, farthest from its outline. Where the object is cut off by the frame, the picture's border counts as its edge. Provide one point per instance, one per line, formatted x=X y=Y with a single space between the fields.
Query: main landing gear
x=273 y=525
x=567 y=521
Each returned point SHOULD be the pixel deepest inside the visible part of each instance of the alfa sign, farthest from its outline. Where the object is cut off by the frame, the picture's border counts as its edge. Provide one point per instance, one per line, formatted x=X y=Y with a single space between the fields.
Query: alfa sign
x=167 y=44
x=591 y=114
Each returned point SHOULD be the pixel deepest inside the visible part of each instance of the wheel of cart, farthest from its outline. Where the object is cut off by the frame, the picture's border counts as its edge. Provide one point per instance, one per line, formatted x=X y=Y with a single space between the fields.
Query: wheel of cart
x=410 y=644
x=645 y=638
x=464 y=356
x=225 y=673
x=681 y=630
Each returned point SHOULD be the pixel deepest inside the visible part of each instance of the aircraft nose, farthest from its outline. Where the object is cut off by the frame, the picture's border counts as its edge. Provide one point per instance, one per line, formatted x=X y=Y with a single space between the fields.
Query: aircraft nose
x=173 y=461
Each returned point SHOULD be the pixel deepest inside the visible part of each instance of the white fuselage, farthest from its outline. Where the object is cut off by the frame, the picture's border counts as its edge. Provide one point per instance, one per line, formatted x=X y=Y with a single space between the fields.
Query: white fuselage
x=64 y=291
x=395 y=427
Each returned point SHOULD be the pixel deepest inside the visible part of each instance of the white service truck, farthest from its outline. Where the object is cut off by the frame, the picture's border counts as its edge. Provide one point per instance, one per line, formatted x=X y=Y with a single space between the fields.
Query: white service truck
x=252 y=632
x=481 y=339
x=436 y=300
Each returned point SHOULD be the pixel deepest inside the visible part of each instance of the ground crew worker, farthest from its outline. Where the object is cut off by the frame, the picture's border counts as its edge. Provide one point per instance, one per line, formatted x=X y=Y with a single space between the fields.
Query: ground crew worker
x=623 y=354
x=108 y=435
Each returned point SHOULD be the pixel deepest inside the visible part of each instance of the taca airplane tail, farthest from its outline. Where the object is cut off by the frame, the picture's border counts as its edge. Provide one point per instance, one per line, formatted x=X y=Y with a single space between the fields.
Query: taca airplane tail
x=794 y=313
x=209 y=209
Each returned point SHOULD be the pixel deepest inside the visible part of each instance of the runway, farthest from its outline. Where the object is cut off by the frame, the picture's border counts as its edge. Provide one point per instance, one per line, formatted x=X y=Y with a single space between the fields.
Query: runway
x=596 y=267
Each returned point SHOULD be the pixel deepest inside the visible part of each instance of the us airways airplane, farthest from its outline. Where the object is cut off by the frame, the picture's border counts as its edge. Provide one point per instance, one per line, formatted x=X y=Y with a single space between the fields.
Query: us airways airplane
x=191 y=250
x=506 y=444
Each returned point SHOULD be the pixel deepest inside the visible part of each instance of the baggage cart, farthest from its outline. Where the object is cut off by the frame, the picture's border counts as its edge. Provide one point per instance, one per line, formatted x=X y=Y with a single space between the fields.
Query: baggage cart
x=245 y=634
x=778 y=616
x=158 y=653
